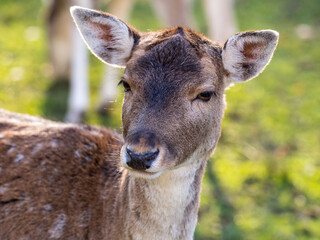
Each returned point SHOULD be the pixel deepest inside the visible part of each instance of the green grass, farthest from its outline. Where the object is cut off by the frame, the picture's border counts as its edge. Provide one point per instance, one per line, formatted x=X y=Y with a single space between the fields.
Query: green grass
x=263 y=181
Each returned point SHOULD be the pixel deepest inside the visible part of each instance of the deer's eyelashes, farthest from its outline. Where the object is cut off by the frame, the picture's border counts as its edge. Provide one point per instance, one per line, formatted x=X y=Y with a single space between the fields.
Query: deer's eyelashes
x=205 y=96
x=125 y=85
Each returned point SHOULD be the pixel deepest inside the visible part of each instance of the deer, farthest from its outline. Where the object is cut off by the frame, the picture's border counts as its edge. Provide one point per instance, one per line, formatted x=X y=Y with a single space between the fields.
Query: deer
x=72 y=181
x=68 y=53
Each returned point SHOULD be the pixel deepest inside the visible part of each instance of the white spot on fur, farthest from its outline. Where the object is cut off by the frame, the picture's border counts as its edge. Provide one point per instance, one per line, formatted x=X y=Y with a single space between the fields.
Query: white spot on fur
x=90 y=146
x=77 y=153
x=51 y=179
x=19 y=158
x=7 y=212
x=12 y=149
x=54 y=143
x=31 y=209
x=37 y=148
x=57 y=229
x=47 y=207
x=86 y=159
x=20 y=204
x=96 y=133
x=3 y=188
x=1 y=136
x=43 y=166
x=84 y=218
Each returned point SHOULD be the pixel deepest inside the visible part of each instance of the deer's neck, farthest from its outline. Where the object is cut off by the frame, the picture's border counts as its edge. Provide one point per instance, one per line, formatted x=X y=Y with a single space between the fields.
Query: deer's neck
x=161 y=208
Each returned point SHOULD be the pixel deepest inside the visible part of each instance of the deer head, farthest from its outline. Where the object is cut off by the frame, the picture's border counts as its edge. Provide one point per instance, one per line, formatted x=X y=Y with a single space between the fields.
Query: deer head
x=174 y=83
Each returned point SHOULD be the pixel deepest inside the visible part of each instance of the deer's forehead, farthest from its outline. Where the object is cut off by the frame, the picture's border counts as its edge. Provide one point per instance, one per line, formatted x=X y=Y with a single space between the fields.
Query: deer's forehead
x=170 y=68
x=170 y=62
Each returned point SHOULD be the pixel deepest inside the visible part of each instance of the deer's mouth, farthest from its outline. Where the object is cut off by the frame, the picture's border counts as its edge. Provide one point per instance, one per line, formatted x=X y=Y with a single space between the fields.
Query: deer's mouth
x=143 y=173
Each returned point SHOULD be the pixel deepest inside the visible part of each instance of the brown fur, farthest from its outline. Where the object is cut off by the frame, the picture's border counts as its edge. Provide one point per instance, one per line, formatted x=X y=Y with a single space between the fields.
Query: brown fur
x=250 y=49
x=51 y=170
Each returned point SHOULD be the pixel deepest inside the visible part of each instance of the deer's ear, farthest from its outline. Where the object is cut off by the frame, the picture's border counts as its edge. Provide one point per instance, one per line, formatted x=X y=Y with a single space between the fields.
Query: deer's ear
x=108 y=38
x=245 y=55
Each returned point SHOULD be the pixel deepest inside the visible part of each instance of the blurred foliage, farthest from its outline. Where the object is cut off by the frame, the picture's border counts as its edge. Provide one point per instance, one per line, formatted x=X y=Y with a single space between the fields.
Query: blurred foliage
x=263 y=181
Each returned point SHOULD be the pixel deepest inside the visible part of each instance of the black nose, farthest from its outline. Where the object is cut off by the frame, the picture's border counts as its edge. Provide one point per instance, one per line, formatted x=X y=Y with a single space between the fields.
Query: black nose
x=141 y=162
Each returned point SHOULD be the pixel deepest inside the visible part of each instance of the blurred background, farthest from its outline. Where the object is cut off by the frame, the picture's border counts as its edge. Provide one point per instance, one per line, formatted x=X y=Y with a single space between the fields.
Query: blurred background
x=263 y=181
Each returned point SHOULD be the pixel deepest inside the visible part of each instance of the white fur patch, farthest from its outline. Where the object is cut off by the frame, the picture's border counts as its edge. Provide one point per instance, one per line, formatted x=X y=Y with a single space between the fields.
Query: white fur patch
x=3 y=188
x=47 y=207
x=77 y=153
x=84 y=218
x=57 y=229
x=96 y=133
x=168 y=197
x=19 y=158
x=37 y=148
x=54 y=143
x=12 y=149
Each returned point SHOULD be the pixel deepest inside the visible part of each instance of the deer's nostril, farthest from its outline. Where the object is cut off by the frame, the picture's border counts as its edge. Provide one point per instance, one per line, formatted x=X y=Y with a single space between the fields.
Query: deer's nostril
x=141 y=161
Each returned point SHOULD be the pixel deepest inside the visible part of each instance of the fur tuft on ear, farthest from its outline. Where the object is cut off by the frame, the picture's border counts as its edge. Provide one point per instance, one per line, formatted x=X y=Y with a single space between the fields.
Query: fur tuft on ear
x=108 y=38
x=245 y=55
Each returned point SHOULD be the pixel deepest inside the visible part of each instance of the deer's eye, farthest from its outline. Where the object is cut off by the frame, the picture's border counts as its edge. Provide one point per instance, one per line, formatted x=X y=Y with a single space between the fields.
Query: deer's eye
x=125 y=85
x=205 y=96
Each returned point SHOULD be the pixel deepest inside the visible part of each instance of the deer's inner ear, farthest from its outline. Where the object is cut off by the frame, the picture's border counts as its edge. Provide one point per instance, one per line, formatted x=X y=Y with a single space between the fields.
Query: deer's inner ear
x=108 y=38
x=245 y=55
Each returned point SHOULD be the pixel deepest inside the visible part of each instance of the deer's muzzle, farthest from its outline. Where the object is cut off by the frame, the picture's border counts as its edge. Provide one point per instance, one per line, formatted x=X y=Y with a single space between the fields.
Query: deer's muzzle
x=142 y=153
